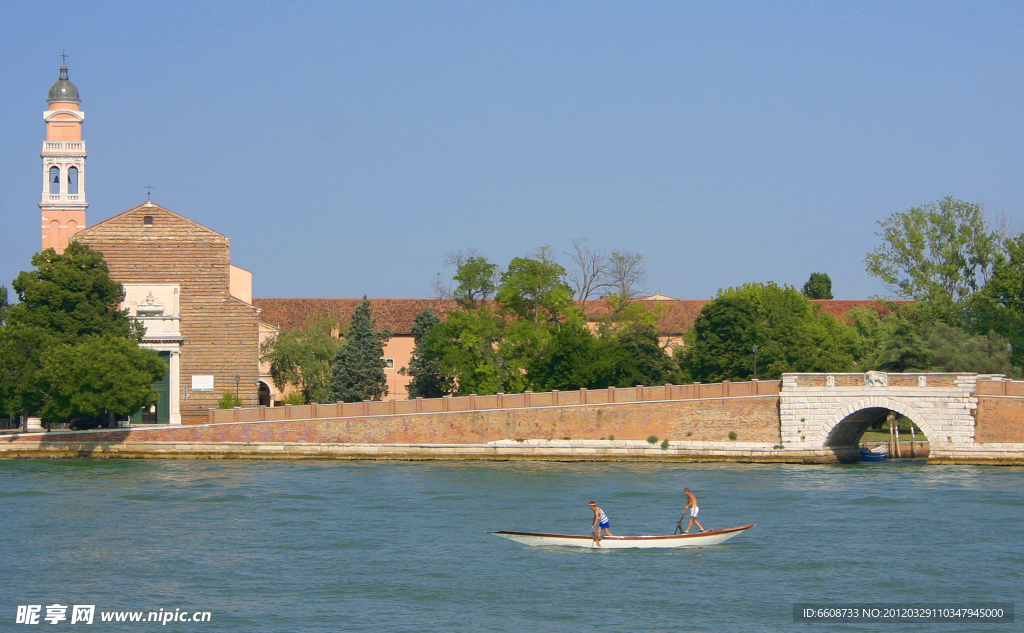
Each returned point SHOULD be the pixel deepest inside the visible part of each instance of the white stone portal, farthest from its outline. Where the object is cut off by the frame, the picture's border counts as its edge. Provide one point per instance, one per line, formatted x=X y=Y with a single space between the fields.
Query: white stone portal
x=156 y=307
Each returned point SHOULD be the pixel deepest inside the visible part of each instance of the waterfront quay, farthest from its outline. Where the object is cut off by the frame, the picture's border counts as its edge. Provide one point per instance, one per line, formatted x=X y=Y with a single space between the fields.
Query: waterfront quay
x=803 y=418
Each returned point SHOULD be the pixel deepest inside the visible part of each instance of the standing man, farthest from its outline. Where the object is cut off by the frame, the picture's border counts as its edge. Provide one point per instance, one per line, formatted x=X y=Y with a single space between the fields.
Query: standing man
x=600 y=523
x=691 y=505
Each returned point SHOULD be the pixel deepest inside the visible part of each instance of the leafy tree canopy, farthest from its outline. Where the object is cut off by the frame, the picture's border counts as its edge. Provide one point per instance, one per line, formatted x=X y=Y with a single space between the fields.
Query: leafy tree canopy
x=790 y=333
x=357 y=373
x=21 y=360
x=819 y=286
x=69 y=311
x=999 y=306
x=535 y=288
x=475 y=279
x=905 y=340
x=100 y=373
x=893 y=343
x=466 y=348
x=72 y=296
x=939 y=255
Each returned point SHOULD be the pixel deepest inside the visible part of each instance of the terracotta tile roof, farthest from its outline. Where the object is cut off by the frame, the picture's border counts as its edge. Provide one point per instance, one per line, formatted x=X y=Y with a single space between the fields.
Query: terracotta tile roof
x=398 y=315
x=840 y=307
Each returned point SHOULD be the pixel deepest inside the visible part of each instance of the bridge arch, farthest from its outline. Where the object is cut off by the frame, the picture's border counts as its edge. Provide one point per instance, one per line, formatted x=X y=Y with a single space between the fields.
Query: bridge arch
x=846 y=425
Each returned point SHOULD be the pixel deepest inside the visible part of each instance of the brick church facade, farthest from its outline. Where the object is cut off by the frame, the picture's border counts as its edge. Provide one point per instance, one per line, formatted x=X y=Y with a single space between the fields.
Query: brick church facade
x=196 y=306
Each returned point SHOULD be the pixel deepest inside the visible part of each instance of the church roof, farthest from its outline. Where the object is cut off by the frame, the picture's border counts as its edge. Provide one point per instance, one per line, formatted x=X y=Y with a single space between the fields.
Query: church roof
x=63 y=91
x=163 y=224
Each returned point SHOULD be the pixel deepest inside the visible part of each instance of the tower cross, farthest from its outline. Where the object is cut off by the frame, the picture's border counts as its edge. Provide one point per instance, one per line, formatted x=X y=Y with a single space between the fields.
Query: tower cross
x=63 y=56
x=148 y=191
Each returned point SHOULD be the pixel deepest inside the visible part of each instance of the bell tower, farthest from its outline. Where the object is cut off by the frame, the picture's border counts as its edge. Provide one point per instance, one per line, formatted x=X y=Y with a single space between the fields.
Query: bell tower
x=63 y=202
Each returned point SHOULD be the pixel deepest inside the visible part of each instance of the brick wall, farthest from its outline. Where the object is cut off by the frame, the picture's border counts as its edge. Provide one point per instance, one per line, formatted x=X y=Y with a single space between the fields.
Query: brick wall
x=221 y=336
x=1000 y=412
x=752 y=419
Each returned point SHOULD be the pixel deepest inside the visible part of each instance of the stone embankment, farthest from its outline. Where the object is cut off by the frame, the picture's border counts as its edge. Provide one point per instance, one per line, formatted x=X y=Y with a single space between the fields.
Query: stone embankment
x=967 y=418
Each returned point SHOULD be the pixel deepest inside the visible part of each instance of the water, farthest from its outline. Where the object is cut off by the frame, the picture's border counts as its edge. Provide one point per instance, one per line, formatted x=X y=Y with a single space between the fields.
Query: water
x=378 y=546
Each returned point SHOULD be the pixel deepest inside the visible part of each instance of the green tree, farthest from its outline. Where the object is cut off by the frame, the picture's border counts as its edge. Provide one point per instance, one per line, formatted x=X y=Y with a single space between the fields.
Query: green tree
x=718 y=345
x=893 y=344
x=428 y=381
x=954 y=349
x=466 y=348
x=939 y=255
x=72 y=296
x=791 y=335
x=100 y=374
x=535 y=288
x=999 y=306
x=357 y=373
x=573 y=358
x=302 y=358
x=640 y=359
x=21 y=360
x=819 y=286
x=70 y=300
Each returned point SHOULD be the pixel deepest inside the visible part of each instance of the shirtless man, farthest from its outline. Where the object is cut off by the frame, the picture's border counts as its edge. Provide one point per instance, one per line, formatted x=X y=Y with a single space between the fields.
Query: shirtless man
x=600 y=523
x=691 y=505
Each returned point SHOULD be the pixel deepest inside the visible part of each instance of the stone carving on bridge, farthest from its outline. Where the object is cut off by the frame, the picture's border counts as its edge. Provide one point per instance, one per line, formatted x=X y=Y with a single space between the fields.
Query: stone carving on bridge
x=830 y=381
x=876 y=379
x=922 y=381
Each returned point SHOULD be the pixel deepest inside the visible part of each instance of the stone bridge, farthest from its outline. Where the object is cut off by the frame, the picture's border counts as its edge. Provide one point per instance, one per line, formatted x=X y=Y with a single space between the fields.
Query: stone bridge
x=827 y=413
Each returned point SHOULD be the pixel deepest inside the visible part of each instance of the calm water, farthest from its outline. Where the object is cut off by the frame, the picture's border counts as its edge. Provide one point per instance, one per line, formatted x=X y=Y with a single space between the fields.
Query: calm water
x=338 y=546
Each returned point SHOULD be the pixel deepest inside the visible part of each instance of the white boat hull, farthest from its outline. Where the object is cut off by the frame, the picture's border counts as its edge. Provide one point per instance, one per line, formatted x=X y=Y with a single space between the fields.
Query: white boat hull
x=711 y=537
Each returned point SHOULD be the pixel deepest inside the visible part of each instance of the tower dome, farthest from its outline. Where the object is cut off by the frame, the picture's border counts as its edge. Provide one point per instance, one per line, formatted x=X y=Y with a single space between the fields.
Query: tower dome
x=63 y=91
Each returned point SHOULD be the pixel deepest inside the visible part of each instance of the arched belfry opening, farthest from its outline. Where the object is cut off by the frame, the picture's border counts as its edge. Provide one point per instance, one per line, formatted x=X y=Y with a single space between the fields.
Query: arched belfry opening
x=895 y=431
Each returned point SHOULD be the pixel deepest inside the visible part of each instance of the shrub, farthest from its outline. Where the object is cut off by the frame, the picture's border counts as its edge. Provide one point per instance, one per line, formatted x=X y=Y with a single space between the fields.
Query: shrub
x=732 y=435
x=653 y=439
x=229 y=401
x=664 y=445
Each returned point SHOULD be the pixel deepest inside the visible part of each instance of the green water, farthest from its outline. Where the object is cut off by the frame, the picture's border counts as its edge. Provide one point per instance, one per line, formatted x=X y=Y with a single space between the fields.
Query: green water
x=377 y=546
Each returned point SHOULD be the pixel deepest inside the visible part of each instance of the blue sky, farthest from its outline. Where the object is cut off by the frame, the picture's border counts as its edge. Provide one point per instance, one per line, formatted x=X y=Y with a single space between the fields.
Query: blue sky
x=346 y=147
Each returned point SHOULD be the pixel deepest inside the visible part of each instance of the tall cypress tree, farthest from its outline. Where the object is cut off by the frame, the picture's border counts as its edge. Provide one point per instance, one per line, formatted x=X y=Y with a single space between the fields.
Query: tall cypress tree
x=428 y=381
x=357 y=373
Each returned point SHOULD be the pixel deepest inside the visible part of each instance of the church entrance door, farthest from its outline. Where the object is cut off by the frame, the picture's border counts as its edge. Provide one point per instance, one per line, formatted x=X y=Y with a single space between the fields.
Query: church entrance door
x=159 y=413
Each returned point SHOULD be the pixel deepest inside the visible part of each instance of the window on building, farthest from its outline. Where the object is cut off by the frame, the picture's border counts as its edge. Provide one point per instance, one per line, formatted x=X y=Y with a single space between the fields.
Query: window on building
x=389 y=363
x=55 y=179
x=73 y=180
x=147 y=220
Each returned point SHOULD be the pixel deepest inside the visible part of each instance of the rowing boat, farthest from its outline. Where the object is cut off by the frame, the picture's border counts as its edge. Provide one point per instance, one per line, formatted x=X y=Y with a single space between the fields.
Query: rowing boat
x=699 y=539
